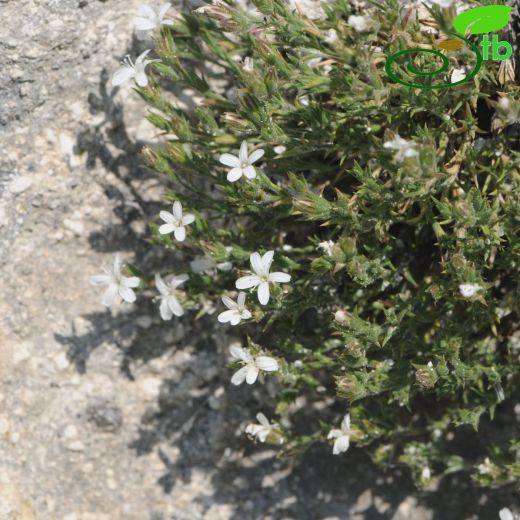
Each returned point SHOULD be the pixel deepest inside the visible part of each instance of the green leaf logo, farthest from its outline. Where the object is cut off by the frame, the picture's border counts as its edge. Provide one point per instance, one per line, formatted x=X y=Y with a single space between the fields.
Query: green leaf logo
x=488 y=18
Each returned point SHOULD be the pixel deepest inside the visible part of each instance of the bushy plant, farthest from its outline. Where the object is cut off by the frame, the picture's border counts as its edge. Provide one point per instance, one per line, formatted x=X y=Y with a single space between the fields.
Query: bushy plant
x=395 y=212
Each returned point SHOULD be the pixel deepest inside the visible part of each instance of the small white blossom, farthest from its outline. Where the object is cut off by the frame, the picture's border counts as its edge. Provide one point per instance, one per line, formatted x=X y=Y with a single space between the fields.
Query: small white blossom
x=241 y=165
x=327 y=246
x=506 y=514
x=205 y=264
x=119 y=286
x=458 y=75
x=359 y=23
x=248 y=65
x=262 y=278
x=135 y=71
x=331 y=36
x=176 y=222
x=469 y=289
x=341 y=316
x=426 y=473
x=404 y=148
x=236 y=312
x=341 y=436
x=151 y=18
x=260 y=431
x=170 y=305
x=280 y=149
x=252 y=365
x=485 y=467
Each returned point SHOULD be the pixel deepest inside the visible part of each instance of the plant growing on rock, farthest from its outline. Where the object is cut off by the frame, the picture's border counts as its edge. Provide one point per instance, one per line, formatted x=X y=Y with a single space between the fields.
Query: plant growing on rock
x=372 y=228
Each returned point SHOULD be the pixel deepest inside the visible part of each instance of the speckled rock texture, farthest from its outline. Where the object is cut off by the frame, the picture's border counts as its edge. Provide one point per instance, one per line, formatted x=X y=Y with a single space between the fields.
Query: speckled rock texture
x=117 y=415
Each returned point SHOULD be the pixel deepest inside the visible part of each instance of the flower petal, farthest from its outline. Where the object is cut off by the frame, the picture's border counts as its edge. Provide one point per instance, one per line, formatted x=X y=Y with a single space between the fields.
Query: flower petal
x=239 y=376
x=234 y=174
x=257 y=154
x=341 y=445
x=345 y=423
x=143 y=24
x=267 y=260
x=166 y=229
x=178 y=280
x=167 y=217
x=122 y=74
x=141 y=78
x=177 y=210
x=235 y=318
x=175 y=306
x=130 y=281
x=164 y=310
x=127 y=294
x=229 y=303
x=266 y=363
x=163 y=9
x=187 y=219
x=256 y=264
x=161 y=286
x=100 y=279
x=263 y=293
x=242 y=154
x=262 y=419
x=109 y=295
x=251 y=374
x=229 y=160
x=226 y=316
x=239 y=353
x=246 y=314
x=249 y=172
x=241 y=299
x=180 y=233
x=246 y=282
x=279 y=277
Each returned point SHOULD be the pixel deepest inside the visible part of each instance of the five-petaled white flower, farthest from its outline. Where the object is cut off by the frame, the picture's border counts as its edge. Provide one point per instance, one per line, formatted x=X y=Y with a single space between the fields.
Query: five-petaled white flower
x=151 y=17
x=262 y=278
x=506 y=514
x=119 y=286
x=241 y=165
x=404 y=148
x=236 y=310
x=170 y=305
x=131 y=70
x=252 y=365
x=260 y=431
x=176 y=222
x=341 y=436
x=469 y=289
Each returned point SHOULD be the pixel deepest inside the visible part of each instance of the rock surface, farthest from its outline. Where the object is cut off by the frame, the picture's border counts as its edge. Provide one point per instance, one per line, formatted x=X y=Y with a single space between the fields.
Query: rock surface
x=108 y=416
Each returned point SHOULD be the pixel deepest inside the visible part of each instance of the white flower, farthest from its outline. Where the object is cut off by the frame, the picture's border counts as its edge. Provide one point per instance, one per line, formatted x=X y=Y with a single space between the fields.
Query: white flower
x=327 y=246
x=252 y=365
x=404 y=148
x=280 y=149
x=241 y=165
x=469 y=289
x=205 y=264
x=176 y=222
x=131 y=70
x=458 y=75
x=236 y=310
x=341 y=436
x=248 y=65
x=426 y=473
x=262 y=278
x=260 y=431
x=150 y=18
x=331 y=36
x=505 y=514
x=119 y=286
x=359 y=23
x=341 y=316
x=169 y=304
